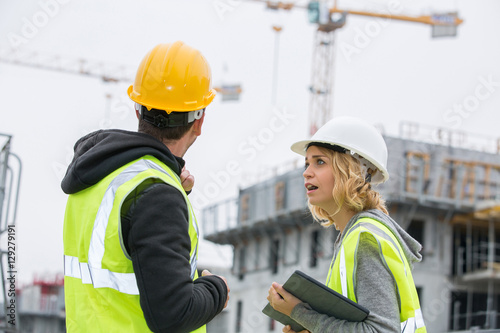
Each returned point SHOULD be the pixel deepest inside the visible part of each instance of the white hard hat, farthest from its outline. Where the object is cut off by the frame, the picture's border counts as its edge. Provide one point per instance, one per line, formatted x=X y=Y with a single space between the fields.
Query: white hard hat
x=359 y=138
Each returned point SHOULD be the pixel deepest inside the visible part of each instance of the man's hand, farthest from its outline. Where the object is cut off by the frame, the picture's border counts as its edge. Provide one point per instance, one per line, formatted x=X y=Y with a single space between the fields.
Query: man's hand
x=187 y=180
x=206 y=273
x=281 y=300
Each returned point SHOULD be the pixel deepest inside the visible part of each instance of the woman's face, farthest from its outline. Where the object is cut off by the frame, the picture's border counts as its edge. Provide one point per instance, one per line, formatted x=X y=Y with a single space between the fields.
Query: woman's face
x=318 y=179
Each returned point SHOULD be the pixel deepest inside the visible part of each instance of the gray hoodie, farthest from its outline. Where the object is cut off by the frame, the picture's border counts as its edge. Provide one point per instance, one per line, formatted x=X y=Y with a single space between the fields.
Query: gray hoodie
x=375 y=286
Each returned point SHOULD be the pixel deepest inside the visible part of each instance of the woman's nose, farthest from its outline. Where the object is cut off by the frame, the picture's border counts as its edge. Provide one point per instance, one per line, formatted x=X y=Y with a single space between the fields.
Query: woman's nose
x=307 y=173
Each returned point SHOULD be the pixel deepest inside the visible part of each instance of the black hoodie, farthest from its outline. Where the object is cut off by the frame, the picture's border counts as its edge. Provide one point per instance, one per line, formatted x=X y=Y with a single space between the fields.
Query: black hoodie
x=155 y=224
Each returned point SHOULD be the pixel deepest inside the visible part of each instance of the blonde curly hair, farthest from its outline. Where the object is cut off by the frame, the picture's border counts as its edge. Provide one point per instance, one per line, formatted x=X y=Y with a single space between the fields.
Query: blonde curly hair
x=350 y=189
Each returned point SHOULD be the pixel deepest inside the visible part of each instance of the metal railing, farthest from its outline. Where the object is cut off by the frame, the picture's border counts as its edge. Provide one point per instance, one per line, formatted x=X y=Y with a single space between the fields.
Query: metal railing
x=477 y=258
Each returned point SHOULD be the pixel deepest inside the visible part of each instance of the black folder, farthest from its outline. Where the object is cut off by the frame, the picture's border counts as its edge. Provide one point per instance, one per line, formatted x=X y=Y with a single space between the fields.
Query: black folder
x=321 y=298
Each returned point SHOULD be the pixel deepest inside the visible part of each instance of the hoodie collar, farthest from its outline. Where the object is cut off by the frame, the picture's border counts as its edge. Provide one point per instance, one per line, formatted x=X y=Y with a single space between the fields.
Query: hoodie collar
x=99 y=153
x=410 y=246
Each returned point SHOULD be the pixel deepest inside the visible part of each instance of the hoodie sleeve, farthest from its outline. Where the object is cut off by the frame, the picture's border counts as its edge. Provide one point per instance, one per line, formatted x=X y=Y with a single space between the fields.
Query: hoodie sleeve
x=375 y=290
x=157 y=238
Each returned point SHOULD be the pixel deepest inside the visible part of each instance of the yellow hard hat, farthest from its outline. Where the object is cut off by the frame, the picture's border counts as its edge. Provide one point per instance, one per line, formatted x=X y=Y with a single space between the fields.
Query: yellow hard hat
x=173 y=77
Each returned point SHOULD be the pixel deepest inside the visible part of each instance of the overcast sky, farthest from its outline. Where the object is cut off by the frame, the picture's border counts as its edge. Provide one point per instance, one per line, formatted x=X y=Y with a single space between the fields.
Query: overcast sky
x=385 y=71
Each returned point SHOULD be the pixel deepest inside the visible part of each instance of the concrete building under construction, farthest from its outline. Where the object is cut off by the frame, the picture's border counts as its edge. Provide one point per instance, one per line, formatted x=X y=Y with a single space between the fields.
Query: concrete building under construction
x=445 y=195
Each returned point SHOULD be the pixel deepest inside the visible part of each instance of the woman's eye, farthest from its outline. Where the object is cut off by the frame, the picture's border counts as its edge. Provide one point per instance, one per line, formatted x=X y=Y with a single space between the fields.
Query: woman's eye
x=306 y=166
x=321 y=162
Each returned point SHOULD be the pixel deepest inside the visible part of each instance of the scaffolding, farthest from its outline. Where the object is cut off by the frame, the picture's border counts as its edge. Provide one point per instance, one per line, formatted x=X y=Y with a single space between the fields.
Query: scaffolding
x=457 y=181
x=9 y=193
x=477 y=267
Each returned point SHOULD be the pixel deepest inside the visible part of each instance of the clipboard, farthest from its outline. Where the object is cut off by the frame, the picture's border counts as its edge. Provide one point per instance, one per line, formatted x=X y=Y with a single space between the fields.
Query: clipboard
x=321 y=298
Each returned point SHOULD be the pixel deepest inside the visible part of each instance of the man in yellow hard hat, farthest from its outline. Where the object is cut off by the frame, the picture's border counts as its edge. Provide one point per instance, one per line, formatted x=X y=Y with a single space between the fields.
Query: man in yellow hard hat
x=130 y=234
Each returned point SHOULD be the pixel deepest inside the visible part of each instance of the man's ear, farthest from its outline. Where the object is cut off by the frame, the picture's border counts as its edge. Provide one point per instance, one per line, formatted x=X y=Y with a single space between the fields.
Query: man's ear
x=198 y=123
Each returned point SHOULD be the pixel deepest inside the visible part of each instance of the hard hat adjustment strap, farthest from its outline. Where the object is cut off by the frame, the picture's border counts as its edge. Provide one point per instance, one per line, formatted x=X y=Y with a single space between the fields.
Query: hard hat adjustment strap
x=368 y=177
x=194 y=115
x=161 y=119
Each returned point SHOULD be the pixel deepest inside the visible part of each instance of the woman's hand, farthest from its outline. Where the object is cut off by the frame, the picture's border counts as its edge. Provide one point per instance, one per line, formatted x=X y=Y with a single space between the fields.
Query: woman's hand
x=288 y=329
x=281 y=300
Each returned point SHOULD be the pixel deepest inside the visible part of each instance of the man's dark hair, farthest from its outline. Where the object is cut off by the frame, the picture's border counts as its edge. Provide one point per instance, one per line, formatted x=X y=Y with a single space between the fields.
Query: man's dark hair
x=164 y=134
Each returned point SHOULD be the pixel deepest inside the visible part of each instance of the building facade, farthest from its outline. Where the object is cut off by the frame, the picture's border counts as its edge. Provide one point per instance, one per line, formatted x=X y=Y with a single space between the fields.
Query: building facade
x=446 y=197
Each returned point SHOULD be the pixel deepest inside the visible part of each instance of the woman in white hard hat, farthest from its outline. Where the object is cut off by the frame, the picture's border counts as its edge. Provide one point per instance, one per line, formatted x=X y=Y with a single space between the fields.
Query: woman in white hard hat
x=373 y=255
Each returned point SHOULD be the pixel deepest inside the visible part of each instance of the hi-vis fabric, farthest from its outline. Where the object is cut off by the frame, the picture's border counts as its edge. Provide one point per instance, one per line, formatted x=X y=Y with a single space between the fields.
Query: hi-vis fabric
x=342 y=274
x=101 y=290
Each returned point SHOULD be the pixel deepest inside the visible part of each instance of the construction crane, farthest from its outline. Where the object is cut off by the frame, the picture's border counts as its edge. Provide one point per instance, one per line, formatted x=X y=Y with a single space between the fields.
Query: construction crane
x=329 y=17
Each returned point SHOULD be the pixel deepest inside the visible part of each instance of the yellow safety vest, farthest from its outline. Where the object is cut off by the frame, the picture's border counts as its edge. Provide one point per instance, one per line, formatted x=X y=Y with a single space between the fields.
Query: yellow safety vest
x=341 y=276
x=101 y=292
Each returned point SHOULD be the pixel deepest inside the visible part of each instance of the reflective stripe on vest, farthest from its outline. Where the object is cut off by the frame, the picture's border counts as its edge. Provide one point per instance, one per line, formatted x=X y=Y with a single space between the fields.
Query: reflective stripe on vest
x=342 y=269
x=412 y=324
x=343 y=272
x=92 y=272
x=100 y=278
